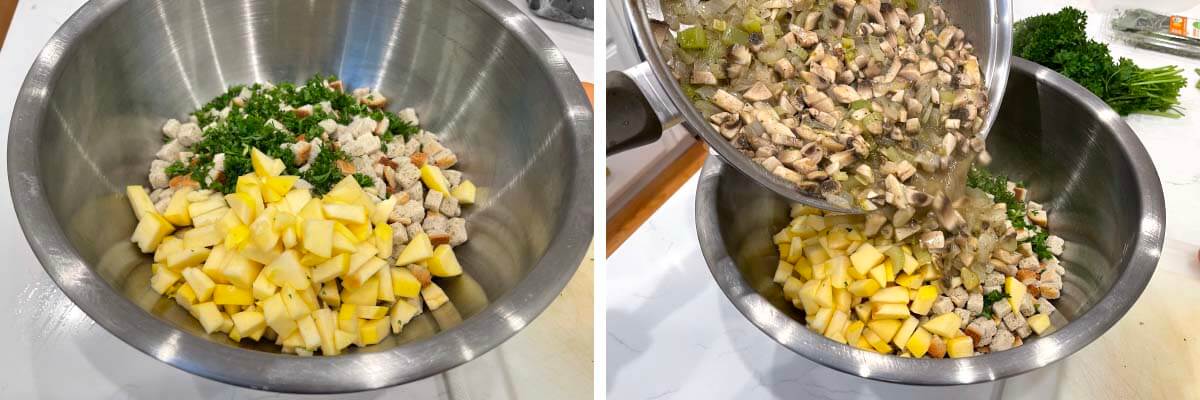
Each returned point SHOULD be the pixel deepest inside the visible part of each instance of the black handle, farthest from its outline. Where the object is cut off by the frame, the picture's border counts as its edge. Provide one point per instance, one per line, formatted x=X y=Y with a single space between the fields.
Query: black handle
x=631 y=120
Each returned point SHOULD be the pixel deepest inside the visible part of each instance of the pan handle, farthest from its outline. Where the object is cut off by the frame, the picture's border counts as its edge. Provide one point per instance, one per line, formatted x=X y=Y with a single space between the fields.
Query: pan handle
x=638 y=108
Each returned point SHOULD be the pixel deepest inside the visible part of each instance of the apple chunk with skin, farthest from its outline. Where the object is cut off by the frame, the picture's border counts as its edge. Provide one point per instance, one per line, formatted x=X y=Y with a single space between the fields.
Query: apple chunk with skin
x=443 y=263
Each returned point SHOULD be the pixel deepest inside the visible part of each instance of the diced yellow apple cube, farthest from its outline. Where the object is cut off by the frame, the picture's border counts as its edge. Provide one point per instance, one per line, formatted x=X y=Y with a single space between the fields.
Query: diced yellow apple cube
x=1016 y=292
x=177 y=209
x=825 y=294
x=365 y=295
x=372 y=312
x=926 y=295
x=229 y=294
x=205 y=236
x=203 y=207
x=464 y=192
x=343 y=339
x=289 y=238
x=863 y=311
x=906 y=330
x=854 y=332
x=795 y=250
x=945 y=325
x=815 y=254
x=185 y=297
x=209 y=218
x=894 y=294
x=362 y=254
x=331 y=268
x=807 y=295
x=281 y=185
x=865 y=258
x=387 y=292
x=330 y=295
x=262 y=288
x=444 y=264
x=327 y=326
x=909 y=281
x=879 y=344
x=318 y=237
x=277 y=316
x=836 y=328
x=1039 y=323
x=264 y=165
x=239 y=270
x=842 y=300
x=169 y=245
x=791 y=288
x=286 y=270
x=383 y=240
x=209 y=315
x=803 y=268
x=374 y=331
x=863 y=287
x=434 y=296
x=296 y=199
x=820 y=320
x=404 y=283
x=150 y=231
x=402 y=312
x=886 y=329
x=361 y=274
x=344 y=240
x=246 y=323
x=214 y=265
x=434 y=179
x=139 y=200
x=237 y=237
x=347 y=213
x=263 y=234
x=836 y=269
x=163 y=279
x=308 y=332
x=879 y=274
x=243 y=206
x=959 y=347
x=313 y=210
x=294 y=302
x=200 y=283
x=417 y=250
x=346 y=191
x=889 y=311
x=383 y=209
x=918 y=343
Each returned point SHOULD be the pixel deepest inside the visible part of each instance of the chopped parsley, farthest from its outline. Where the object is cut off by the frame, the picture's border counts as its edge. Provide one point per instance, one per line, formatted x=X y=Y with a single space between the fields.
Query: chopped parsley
x=364 y=180
x=989 y=299
x=250 y=126
x=997 y=186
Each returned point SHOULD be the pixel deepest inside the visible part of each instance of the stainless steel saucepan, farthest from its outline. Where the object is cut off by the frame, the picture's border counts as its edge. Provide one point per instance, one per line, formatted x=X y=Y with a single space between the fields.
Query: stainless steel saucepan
x=1080 y=159
x=87 y=123
x=645 y=99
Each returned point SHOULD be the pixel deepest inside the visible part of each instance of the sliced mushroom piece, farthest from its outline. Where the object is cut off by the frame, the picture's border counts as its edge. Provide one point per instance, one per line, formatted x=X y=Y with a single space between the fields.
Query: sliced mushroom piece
x=727 y=123
x=702 y=77
x=810 y=21
x=916 y=24
x=873 y=223
x=758 y=92
x=842 y=8
x=865 y=172
x=740 y=54
x=945 y=36
x=771 y=163
x=817 y=100
x=918 y=198
x=790 y=155
x=933 y=240
x=727 y=102
x=785 y=68
x=788 y=174
x=911 y=73
x=844 y=94
x=926 y=66
x=903 y=232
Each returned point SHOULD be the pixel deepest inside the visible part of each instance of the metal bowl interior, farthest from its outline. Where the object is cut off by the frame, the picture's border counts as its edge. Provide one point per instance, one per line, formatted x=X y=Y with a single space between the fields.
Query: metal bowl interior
x=478 y=72
x=1080 y=160
x=987 y=24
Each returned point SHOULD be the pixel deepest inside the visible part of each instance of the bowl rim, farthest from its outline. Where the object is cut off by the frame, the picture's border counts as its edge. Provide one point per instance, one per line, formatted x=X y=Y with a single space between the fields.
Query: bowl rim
x=490 y=327
x=1141 y=261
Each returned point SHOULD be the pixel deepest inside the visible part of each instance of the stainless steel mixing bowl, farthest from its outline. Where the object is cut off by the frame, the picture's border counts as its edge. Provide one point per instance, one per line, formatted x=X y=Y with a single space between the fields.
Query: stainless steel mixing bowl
x=1080 y=159
x=645 y=99
x=87 y=123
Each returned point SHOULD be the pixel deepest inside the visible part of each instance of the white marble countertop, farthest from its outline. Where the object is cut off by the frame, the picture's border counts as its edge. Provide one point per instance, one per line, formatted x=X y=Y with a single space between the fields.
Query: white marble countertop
x=672 y=334
x=54 y=351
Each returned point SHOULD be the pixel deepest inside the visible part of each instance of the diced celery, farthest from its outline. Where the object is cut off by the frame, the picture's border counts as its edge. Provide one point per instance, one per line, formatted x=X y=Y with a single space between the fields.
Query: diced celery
x=734 y=36
x=751 y=22
x=859 y=104
x=692 y=38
